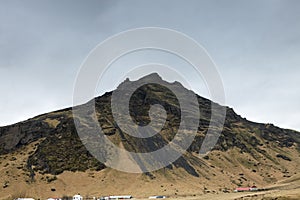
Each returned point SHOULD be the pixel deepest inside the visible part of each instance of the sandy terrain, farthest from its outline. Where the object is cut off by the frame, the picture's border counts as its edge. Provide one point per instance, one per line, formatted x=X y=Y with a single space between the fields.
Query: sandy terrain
x=171 y=183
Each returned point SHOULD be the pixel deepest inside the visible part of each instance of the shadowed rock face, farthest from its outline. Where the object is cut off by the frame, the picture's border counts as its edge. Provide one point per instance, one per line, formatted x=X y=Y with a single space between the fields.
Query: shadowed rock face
x=61 y=149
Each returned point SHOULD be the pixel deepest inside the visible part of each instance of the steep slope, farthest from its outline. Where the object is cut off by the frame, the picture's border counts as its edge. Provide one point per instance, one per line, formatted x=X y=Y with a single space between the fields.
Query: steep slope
x=45 y=148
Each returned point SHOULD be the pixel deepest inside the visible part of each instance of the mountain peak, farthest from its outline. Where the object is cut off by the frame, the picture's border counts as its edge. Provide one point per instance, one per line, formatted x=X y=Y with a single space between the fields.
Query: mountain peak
x=152 y=77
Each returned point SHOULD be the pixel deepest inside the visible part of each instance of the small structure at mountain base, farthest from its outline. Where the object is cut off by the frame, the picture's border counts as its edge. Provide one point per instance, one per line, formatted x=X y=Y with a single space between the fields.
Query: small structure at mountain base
x=121 y=197
x=24 y=199
x=116 y=197
x=77 y=197
x=246 y=189
x=157 y=197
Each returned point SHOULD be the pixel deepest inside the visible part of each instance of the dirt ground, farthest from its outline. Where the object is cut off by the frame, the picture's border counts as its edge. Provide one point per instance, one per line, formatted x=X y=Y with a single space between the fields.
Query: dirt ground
x=15 y=183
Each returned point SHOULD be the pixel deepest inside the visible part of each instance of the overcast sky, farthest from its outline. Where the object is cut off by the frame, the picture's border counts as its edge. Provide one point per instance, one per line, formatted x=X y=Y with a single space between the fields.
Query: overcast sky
x=255 y=45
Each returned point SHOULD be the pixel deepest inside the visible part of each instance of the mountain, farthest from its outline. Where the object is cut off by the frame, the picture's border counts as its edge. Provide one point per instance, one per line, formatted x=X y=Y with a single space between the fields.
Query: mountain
x=44 y=156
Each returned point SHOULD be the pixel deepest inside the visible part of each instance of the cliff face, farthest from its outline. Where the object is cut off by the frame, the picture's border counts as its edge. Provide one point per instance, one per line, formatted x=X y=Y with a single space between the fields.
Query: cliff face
x=243 y=145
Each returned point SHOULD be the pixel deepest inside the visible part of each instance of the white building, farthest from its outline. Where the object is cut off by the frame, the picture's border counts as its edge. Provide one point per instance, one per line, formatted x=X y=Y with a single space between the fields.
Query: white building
x=121 y=197
x=157 y=197
x=77 y=197
x=24 y=199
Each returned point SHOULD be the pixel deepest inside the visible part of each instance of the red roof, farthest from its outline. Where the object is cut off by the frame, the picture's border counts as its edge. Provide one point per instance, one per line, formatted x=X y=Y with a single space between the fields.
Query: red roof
x=243 y=189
